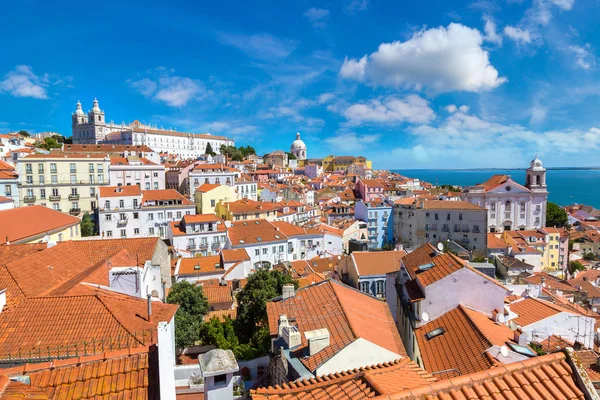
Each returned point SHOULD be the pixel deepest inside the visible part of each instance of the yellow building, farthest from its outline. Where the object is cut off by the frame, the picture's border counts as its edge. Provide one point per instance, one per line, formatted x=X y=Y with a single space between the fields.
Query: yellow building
x=208 y=196
x=246 y=209
x=37 y=224
x=61 y=181
x=342 y=163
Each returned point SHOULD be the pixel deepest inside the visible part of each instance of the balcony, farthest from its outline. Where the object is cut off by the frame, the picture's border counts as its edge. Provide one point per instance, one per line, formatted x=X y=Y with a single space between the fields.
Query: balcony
x=465 y=229
x=54 y=198
x=464 y=240
x=75 y=211
x=29 y=199
x=445 y=229
x=290 y=250
x=203 y=246
x=191 y=246
x=215 y=246
x=74 y=196
x=122 y=222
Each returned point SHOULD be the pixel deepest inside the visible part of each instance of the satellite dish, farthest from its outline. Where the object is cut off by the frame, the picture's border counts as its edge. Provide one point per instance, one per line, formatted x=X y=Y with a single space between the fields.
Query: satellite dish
x=598 y=330
x=440 y=246
x=504 y=351
x=595 y=309
x=339 y=257
x=425 y=317
x=543 y=285
x=46 y=239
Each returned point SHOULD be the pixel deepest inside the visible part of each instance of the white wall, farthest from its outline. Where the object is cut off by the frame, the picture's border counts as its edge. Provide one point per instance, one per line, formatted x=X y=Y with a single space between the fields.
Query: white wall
x=360 y=353
x=462 y=287
x=166 y=359
x=565 y=325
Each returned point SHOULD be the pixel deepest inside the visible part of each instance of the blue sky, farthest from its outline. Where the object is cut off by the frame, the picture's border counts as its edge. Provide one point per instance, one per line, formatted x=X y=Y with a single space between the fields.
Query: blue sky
x=428 y=84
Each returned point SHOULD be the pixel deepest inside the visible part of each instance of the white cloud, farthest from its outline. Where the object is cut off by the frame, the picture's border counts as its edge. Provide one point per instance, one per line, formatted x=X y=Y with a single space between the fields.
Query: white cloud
x=451 y=108
x=325 y=98
x=293 y=114
x=356 y=5
x=442 y=59
x=519 y=35
x=232 y=127
x=563 y=4
x=175 y=91
x=22 y=82
x=350 y=141
x=317 y=17
x=584 y=59
x=390 y=111
x=463 y=109
x=491 y=35
x=260 y=46
x=538 y=115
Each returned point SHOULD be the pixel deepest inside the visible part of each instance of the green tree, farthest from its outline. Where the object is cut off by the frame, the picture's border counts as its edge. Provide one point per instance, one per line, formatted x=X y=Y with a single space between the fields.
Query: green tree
x=87 y=225
x=590 y=256
x=576 y=266
x=262 y=285
x=556 y=216
x=50 y=143
x=209 y=150
x=290 y=156
x=246 y=151
x=24 y=133
x=193 y=305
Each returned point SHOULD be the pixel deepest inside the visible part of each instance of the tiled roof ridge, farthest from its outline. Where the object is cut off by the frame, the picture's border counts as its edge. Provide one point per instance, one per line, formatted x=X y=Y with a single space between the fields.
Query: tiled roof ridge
x=471 y=379
x=326 y=380
x=100 y=298
x=76 y=361
x=14 y=281
x=474 y=325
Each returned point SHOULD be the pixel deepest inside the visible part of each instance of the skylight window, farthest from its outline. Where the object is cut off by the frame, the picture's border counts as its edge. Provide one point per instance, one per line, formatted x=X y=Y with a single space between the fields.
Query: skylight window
x=242 y=241
x=259 y=239
x=196 y=267
x=434 y=333
x=425 y=267
x=276 y=236
x=517 y=348
x=256 y=222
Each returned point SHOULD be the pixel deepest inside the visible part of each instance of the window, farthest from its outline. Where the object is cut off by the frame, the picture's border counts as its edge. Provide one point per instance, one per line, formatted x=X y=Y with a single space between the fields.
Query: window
x=92 y=179
x=53 y=168
x=108 y=233
x=150 y=217
x=212 y=203
x=379 y=288
x=281 y=249
x=72 y=168
x=123 y=233
x=29 y=192
x=42 y=193
x=220 y=380
x=460 y=216
x=122 y=216
x=538 y=207
x=100 y=168
x=42 y=179
x=257 y=252
x=151 y=231
x=121 y=203
x=55 y=206
x=54 y=179
x=28 y=168
x=265 y=251
x=522 y=207
x=156 y=174
x=147 y=185
x=60 y=237
x=100 y=178
x=29 y=179
x=7 y=190
x=109 y=217
x=41 y=168
x=178 y=214
x=55 y=192
x=507 y=204
x=169 y=215
x=436 y=216
x=364 y=287
x=493 y=207
x=91 y=168
x=135 y=203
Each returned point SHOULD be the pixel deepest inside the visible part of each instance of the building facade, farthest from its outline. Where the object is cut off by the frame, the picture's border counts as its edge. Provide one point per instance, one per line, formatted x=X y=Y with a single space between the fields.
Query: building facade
x=378 y=214
x=211 y=173
x=437 y=221
x=298 y=149
x=510 y=205
x=66 y=182
x=200 y=234
x=127 y=171
x=92 y=128
x=9 y=183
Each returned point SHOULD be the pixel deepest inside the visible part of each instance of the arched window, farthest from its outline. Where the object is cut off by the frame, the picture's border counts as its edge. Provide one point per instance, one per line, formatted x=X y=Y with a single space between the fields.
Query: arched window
x=538 y=180
x=507 y=204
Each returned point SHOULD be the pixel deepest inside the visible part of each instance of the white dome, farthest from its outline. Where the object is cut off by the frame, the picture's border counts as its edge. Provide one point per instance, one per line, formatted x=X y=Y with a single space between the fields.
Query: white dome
x=96 y=107
x=536 y=163
x=297 y=144
x=79 y=110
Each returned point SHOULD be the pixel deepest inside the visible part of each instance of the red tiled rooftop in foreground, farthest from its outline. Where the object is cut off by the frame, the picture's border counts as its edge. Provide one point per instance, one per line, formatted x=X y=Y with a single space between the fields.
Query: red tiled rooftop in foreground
x=347 y=313
x=377 y=262
x=547 y=377
x=357 y=384
x=30 y=223
x=122 y=374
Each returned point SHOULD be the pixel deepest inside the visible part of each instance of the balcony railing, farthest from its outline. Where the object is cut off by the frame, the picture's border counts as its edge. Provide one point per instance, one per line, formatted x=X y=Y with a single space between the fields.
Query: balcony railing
x=203 y=246
x=215 y=246
x=464 y=240
x=74 y=211
x=74 y=196
x=465 y=229
x=29 y=199
x=191 y=246
x=122 y=222
x=54 y=198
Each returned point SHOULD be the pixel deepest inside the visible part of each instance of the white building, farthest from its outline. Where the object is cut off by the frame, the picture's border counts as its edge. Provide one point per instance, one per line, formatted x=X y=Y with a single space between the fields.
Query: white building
x=212 y=173
x=10 y=143
x=8 y=182
x=510 y=205
x=128 y=212
x=298 y=148
x=200 y=234
x=92 y=128
x=133 y=170
x=246 y=188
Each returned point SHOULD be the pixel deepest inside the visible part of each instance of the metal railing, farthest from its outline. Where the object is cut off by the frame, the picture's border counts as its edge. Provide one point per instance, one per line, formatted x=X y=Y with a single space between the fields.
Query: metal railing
x=74 y=196
x=29 y=199
x=75 y=211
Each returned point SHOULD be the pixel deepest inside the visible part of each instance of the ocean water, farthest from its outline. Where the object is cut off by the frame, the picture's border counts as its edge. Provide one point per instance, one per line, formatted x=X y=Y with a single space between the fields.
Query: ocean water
x=564 y=186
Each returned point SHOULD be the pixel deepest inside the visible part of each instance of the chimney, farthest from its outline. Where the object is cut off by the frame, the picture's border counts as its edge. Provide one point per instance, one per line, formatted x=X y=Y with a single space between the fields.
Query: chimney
x=317 y=340
x=520 y=337
x=291 y=335
x=2 y=299
x=149 y=296
x=288 y=291
x=283 y=322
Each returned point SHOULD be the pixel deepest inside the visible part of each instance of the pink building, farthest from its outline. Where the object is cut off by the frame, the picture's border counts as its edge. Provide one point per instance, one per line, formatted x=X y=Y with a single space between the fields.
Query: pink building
x=369 y=189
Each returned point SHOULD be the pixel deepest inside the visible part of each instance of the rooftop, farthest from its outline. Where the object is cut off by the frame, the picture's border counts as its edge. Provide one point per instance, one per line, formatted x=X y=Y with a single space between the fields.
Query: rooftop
x=31 y=223
x=377 y=262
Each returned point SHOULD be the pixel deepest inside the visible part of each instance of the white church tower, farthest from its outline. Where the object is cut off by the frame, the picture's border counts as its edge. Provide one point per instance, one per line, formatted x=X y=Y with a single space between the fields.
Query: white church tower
x=536 y=176
x=90 y=128
x=298 y=148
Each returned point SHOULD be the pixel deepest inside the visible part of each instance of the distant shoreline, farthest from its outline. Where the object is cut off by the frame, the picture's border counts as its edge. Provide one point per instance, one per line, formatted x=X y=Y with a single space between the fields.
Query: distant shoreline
x=497 y=169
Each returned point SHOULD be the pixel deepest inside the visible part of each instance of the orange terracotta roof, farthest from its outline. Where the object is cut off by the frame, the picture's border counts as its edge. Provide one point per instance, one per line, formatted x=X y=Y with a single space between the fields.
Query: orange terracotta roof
x=125 y=161
x=120 y=191
x=164 y=195
x=218 y=294
x=199 y=218
x=554 y=343
x=551 y=282
x=61 y=155
x=494 y=242
x=12 y=252
x=467 y=335
x=40 y=325
x=531 y=310
x=255 y=231
x=546 y=377
x=105 y=148
x=589 y=361
x=245 y=206
x=207 y=187
x=377 y=262
x=291 y=230
x=357 y=384
x=451 y=205
x=347 y=313
x=371 y=183
x=200 y=265
x=233 y=255
x=29 y=223
x=494 y=182
x=126 y=374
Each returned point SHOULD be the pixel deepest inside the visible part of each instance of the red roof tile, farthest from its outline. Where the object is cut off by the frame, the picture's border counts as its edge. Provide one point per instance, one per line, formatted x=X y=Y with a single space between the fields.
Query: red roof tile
x=30 y=223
